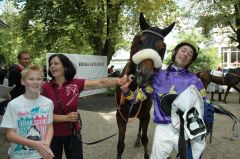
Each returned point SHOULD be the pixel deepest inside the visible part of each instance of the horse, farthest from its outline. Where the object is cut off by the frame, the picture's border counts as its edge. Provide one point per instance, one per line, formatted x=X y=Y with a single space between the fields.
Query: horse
x=231 y=80
x=114 y=74
x=206 y=77
x=151 y=39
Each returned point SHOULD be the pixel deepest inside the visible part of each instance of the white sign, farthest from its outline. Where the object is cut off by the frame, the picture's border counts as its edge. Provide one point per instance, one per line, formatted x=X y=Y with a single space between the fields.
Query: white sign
x=4 y=91
x=88 y=67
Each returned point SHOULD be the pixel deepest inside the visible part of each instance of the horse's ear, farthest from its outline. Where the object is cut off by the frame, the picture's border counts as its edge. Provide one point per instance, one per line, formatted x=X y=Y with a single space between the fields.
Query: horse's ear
x=168 y=29
x=143 y=24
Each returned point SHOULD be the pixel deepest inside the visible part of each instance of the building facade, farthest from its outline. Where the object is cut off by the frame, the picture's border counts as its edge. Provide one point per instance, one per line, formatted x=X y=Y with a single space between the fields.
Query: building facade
x=230 y=56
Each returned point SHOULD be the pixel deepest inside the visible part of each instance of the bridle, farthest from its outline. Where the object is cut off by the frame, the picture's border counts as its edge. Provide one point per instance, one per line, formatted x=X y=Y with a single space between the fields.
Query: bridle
x=122 y=101
x=137 y=71
x=153 y=32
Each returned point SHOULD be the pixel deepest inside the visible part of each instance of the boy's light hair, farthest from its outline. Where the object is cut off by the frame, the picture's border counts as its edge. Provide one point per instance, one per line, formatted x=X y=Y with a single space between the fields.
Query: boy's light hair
x=26 y=71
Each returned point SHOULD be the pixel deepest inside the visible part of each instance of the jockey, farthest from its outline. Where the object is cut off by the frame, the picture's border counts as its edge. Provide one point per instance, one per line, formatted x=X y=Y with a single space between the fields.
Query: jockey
x=182 y=111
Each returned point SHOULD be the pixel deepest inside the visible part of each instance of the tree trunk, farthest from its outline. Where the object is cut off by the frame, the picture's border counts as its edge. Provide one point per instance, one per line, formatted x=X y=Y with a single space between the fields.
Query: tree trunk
x=97 y=36
x=237 y=13
x=113 y=11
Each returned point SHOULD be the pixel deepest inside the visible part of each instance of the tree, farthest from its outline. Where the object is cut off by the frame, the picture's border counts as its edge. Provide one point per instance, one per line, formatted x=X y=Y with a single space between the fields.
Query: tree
x=10 y=37
x=220 y=17
x=93 y=27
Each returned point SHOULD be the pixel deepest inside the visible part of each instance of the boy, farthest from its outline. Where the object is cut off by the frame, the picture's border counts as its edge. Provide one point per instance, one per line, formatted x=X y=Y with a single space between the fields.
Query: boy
x=28 y=119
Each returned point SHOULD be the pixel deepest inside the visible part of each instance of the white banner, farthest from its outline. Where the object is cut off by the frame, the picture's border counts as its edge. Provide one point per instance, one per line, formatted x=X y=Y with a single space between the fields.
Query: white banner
x=88 y=67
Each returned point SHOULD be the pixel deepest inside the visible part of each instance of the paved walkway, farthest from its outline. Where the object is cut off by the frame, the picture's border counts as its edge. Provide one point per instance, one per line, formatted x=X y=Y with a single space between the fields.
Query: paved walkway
x=99 y=121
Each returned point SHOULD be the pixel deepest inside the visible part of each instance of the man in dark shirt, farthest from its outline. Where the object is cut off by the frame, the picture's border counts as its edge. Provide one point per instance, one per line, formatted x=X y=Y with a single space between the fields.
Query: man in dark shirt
x=15 y=70
x=2 y=74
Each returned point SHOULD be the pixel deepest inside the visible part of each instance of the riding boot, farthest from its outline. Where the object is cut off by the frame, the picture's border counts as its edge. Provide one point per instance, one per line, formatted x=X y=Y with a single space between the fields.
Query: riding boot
x=212 y=97
x=220 y=96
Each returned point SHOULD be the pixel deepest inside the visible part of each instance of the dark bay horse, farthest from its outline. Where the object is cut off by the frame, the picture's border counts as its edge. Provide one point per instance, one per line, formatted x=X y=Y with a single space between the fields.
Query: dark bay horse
x=206 y=77
x=231 y=80
x=150 y=41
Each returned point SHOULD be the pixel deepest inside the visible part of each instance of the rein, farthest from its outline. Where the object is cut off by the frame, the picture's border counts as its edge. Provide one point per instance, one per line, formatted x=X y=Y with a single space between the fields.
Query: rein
x=122 y=100
x=234 y=74
x=118 y=107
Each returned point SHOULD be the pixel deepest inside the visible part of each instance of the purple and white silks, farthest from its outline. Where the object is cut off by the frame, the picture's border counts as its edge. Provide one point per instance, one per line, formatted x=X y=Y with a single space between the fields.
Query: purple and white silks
x=175 y=82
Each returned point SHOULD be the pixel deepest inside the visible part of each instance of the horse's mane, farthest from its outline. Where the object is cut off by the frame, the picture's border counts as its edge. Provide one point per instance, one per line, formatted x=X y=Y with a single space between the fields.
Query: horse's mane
x=135 y=47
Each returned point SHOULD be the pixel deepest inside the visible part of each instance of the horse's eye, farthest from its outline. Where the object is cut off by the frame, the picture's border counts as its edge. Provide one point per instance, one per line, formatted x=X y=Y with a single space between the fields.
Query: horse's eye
x=141 y=40
x=160 y=45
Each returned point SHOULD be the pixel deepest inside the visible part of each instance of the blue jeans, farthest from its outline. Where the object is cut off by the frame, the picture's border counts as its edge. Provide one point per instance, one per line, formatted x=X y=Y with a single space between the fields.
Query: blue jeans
x=71 y=144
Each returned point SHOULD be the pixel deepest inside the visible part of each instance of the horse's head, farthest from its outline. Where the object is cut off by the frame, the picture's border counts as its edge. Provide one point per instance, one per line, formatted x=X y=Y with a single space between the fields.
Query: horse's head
x=205 y=77
x=147 y=51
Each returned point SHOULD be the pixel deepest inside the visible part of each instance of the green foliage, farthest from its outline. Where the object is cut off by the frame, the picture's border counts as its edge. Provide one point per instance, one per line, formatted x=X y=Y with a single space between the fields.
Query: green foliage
x=222 y=15
x=76 y=26
x=10 y=41
x=207 y=60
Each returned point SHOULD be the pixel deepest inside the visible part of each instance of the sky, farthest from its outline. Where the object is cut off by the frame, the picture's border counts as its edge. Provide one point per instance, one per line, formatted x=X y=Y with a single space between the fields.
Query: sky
x=3 y=3
x=170 y=39
x=1 y=6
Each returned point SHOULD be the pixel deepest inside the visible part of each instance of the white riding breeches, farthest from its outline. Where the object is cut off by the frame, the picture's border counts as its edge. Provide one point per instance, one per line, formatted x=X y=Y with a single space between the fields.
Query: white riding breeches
x=165 y=139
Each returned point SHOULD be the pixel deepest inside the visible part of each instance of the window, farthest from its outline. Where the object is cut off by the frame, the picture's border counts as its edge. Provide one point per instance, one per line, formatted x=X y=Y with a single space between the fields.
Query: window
x=238 y=57
x=225 y=57
x=233 y=57
x=230 y=56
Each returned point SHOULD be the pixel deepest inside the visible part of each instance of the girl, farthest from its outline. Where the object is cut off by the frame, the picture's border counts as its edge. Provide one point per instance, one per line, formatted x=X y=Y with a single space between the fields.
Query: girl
x=64 y=90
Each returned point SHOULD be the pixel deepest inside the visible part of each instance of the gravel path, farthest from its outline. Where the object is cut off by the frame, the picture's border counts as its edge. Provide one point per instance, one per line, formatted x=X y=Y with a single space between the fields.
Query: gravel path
x=99 y=121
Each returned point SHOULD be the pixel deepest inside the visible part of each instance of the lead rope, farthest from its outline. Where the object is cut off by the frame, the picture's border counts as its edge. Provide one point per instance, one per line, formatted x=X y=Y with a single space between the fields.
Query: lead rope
x=122 y=101
x=132 y=101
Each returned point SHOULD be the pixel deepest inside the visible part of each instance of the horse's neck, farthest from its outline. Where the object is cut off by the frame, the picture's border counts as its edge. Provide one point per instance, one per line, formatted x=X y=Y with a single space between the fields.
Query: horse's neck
x=217 y=80
x=236 y=71
x=130 y=68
